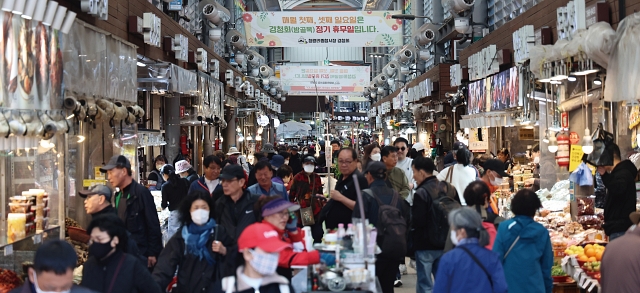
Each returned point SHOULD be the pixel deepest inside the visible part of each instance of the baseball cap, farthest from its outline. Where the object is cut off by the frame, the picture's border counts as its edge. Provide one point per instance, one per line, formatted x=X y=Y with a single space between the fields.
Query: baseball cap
x=232 y=171
x=376 y=169
x=309 y=159
x=263 y=236
x=277 y=161
x=97 y=190
x=418 y=146
x=117 y=161
x=233 y=151
x=495 y=165
x=182 y=166
x=278 y=205
x=294 y=148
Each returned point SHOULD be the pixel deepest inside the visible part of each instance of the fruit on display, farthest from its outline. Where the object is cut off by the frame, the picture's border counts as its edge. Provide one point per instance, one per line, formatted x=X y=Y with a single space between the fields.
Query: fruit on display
x=557 y=271
x=592 y=266
x=590 y=252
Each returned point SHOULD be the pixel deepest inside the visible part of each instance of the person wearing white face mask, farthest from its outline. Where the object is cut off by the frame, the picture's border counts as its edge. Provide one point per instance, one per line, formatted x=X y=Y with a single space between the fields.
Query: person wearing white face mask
x=52 y=270
x=306 y=190
x=155 y=180
x=110 y=267
x=494 y=175
x=469 y=267
x=371 y=154
x=196 y=253
x=260 y=246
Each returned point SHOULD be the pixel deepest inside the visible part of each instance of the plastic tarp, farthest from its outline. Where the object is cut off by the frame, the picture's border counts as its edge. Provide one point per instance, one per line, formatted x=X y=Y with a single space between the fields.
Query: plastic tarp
x=293 y=128
x=182 y=81
x=622 y=83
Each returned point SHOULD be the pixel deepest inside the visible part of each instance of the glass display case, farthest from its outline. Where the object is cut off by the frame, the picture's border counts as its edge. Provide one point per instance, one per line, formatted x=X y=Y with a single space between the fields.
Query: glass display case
x=32 y=185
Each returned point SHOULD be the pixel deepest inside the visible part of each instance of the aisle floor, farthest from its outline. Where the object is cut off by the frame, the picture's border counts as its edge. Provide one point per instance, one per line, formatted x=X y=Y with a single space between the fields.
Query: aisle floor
x=408 y=281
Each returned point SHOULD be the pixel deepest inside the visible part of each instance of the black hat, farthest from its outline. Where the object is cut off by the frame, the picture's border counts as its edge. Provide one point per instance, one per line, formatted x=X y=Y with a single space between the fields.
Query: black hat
x=97 y=190
x=294 y=148
x=309 y=159
x=376 y=169
x=232 y=171
x=116 y=162
x=496 y=166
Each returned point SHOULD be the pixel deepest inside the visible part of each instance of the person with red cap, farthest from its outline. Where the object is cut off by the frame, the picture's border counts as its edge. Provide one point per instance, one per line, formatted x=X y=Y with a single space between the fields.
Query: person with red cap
x=260 y=246
x=278 y=213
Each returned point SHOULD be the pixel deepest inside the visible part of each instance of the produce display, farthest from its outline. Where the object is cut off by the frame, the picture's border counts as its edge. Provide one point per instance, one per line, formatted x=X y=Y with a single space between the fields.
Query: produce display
x=557 y=271
x=9 y=280
x=589 y=253
x=82 y=249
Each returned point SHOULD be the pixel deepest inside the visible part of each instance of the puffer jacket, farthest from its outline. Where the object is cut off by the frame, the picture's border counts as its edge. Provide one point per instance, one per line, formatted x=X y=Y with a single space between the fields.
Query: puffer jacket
x=194 y=274
x=142 y=220
x=527 y=267
x=120 y=272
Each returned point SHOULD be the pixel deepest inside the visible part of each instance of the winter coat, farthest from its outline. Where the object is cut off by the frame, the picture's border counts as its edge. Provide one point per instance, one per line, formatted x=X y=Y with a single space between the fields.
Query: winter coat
x=276 y=189
x=142 y=221
x=398 y=180
x=132 y=246
x=27 y=287
x=295 y=162
x=194 y=274
x=422 y=215
x=458 y=272
x=290 y=258
x=620 y=268
x=201 y=185
x=528 y=266
x=193 y=176
x=270 y=284
x=157 y=177
x=621 y=197
x=303 y=190
x=173 y=193
x=119 y=273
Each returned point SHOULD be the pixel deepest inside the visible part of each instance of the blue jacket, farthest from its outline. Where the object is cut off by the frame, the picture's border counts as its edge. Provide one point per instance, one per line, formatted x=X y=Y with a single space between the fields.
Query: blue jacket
x=458 y=272
x=276 y=189
x=528 y=266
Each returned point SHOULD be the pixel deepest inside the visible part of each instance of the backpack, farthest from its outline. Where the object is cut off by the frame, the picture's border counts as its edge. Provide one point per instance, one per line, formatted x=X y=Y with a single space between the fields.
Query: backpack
x=443 y=197
x=391 y=228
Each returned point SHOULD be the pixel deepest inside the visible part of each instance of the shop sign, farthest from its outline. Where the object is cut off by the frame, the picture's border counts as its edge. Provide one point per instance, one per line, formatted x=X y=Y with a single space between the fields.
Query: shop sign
x=435 y=127
x=455 y=73
x=575 y=158
x=571 y=19
x=98 y=175
x=151 y=29
x=325 y=80
x=597 y=12
x=181 y=112
x=475 y=144
x=564 y=120
x=526 y=133
x=522 y=39
x=323 y=29
x=181 y=47
x=175 y=5
x=92 y=182
x=574 y=138
x=484 y=63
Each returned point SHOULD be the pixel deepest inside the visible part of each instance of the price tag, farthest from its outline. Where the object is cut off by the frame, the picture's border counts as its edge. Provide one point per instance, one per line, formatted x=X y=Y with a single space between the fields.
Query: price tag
x=37 y=238
x=8 y=250
x=583 y=280
x=574 y=261
x=593 y=284
x=576 y=274
x=565 y=260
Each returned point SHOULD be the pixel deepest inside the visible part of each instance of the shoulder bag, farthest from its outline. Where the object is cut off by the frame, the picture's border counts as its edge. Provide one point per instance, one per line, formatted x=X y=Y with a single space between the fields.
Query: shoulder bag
x=477 y=261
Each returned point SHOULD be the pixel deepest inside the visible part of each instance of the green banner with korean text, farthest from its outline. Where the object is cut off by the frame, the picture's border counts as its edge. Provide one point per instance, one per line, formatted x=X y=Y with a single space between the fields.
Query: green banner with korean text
x=323 y=29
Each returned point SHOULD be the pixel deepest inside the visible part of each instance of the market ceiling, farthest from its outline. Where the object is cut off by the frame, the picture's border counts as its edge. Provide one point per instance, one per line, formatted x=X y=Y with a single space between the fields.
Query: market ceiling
x=321 y=5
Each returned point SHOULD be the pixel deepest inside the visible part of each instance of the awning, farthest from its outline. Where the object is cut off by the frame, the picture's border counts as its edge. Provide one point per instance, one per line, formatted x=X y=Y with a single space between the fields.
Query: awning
x=488 y=119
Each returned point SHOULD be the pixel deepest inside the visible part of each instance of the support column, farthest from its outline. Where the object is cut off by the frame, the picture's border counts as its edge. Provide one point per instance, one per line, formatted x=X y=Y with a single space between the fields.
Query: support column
x=172 y=127
x=208 y=141
x=230 y=137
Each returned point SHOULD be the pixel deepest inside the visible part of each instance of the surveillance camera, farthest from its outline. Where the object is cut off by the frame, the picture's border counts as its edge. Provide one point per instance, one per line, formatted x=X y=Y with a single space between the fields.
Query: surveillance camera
x=279 y=95
x=237 y=40
x=216 y=13
x=265 y=81
x=380 y=79
x=254 y=58
x=462 y=25
x=239 y=84
x=273 y=91
x=405 y=55
x=380 y=91
x=366 y=91
x=424 y=55
x=373 y=87
x=266 y=71
x=255 y=72
x=283 y=99
x=373 y=95
x=457 y=5
x=450 y=95
x=391 y=69
x=425 y=37
x=391 y=81
x=240 y=57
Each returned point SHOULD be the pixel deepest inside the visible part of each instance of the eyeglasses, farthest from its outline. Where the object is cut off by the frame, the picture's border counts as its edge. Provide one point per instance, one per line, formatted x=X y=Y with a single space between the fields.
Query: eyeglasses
x=345 y=162
x=402 y=148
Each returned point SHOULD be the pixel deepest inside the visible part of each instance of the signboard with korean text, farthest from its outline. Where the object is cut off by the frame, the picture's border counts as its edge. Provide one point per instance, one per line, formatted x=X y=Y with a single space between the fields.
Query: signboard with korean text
x=323 y=29
x=324 y=80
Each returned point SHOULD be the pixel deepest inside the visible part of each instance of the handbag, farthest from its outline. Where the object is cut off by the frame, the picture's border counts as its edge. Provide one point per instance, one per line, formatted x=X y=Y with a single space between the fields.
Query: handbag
x=306 y=214
x=449 y=177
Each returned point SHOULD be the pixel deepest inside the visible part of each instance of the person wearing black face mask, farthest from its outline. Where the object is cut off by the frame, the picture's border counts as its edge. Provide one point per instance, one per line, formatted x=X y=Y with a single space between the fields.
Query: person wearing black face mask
x=110 y=268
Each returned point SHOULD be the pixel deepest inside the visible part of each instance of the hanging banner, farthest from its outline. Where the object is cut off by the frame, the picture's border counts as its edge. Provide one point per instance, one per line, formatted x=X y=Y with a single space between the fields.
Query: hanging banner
x=324 y=80
x=323 y=29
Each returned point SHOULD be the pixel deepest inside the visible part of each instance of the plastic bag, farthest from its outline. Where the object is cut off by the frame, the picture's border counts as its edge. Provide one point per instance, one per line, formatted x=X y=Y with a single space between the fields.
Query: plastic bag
x=586 y=206
x=622 y=74
x=582 y=175
x=591 y=221
x=537 y=56
x=598 y=41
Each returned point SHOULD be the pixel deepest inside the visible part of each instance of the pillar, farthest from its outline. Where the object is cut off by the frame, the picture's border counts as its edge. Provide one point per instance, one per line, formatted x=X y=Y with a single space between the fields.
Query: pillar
x=208 y=140
x=229 y=133
x=172 y=127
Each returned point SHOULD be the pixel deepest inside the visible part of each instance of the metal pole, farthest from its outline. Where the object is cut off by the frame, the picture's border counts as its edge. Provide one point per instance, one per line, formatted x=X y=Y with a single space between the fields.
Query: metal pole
x=172 y=127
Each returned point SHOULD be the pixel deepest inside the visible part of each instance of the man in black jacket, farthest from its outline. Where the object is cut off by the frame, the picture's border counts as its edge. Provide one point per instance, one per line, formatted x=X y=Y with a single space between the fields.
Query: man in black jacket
x=295 y=162
x=98 y=202
x=376 y=176
x=620 y=201
x=235 y=210
x=135 y=206
x=343 y=196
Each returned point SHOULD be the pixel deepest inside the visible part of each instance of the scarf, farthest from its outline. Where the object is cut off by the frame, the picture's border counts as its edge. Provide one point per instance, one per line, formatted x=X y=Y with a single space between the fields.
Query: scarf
x=196 y=237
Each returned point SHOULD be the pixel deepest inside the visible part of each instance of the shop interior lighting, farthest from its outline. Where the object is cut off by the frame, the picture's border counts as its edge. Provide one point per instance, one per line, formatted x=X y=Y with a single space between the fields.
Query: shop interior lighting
x=553 y=143
x=50 y=13
x=238 y=130
x=240 y=138
x=68 y=22
x=249 y=138
x=258 y=138
x=597 y=81
x=41 y=7
x=140 y=64
x=410 y=130
x=586 y=67
x=61 y=12
x=7 y=5
x=587 y=143
x=29 y=9
x=81 y=138
x=572 y=78
x=18 y=6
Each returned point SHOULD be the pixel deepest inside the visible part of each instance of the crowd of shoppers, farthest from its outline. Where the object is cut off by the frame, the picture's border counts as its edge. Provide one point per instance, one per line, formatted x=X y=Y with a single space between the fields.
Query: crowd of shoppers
x=227 y=235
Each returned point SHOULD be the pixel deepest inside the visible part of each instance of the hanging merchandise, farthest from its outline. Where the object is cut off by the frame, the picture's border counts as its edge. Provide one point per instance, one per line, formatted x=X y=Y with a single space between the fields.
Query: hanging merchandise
x=622 y=80
x=562 y=155
x=600 y=155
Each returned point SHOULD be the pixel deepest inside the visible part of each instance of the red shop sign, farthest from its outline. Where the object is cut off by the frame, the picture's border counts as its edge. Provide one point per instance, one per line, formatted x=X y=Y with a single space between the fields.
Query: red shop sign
x=435 y=127
x=564 y=120
x=181 y=111
x=574 y=138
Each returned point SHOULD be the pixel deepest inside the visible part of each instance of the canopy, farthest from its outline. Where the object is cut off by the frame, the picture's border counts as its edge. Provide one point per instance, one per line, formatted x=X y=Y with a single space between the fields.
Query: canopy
x=292 y=128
